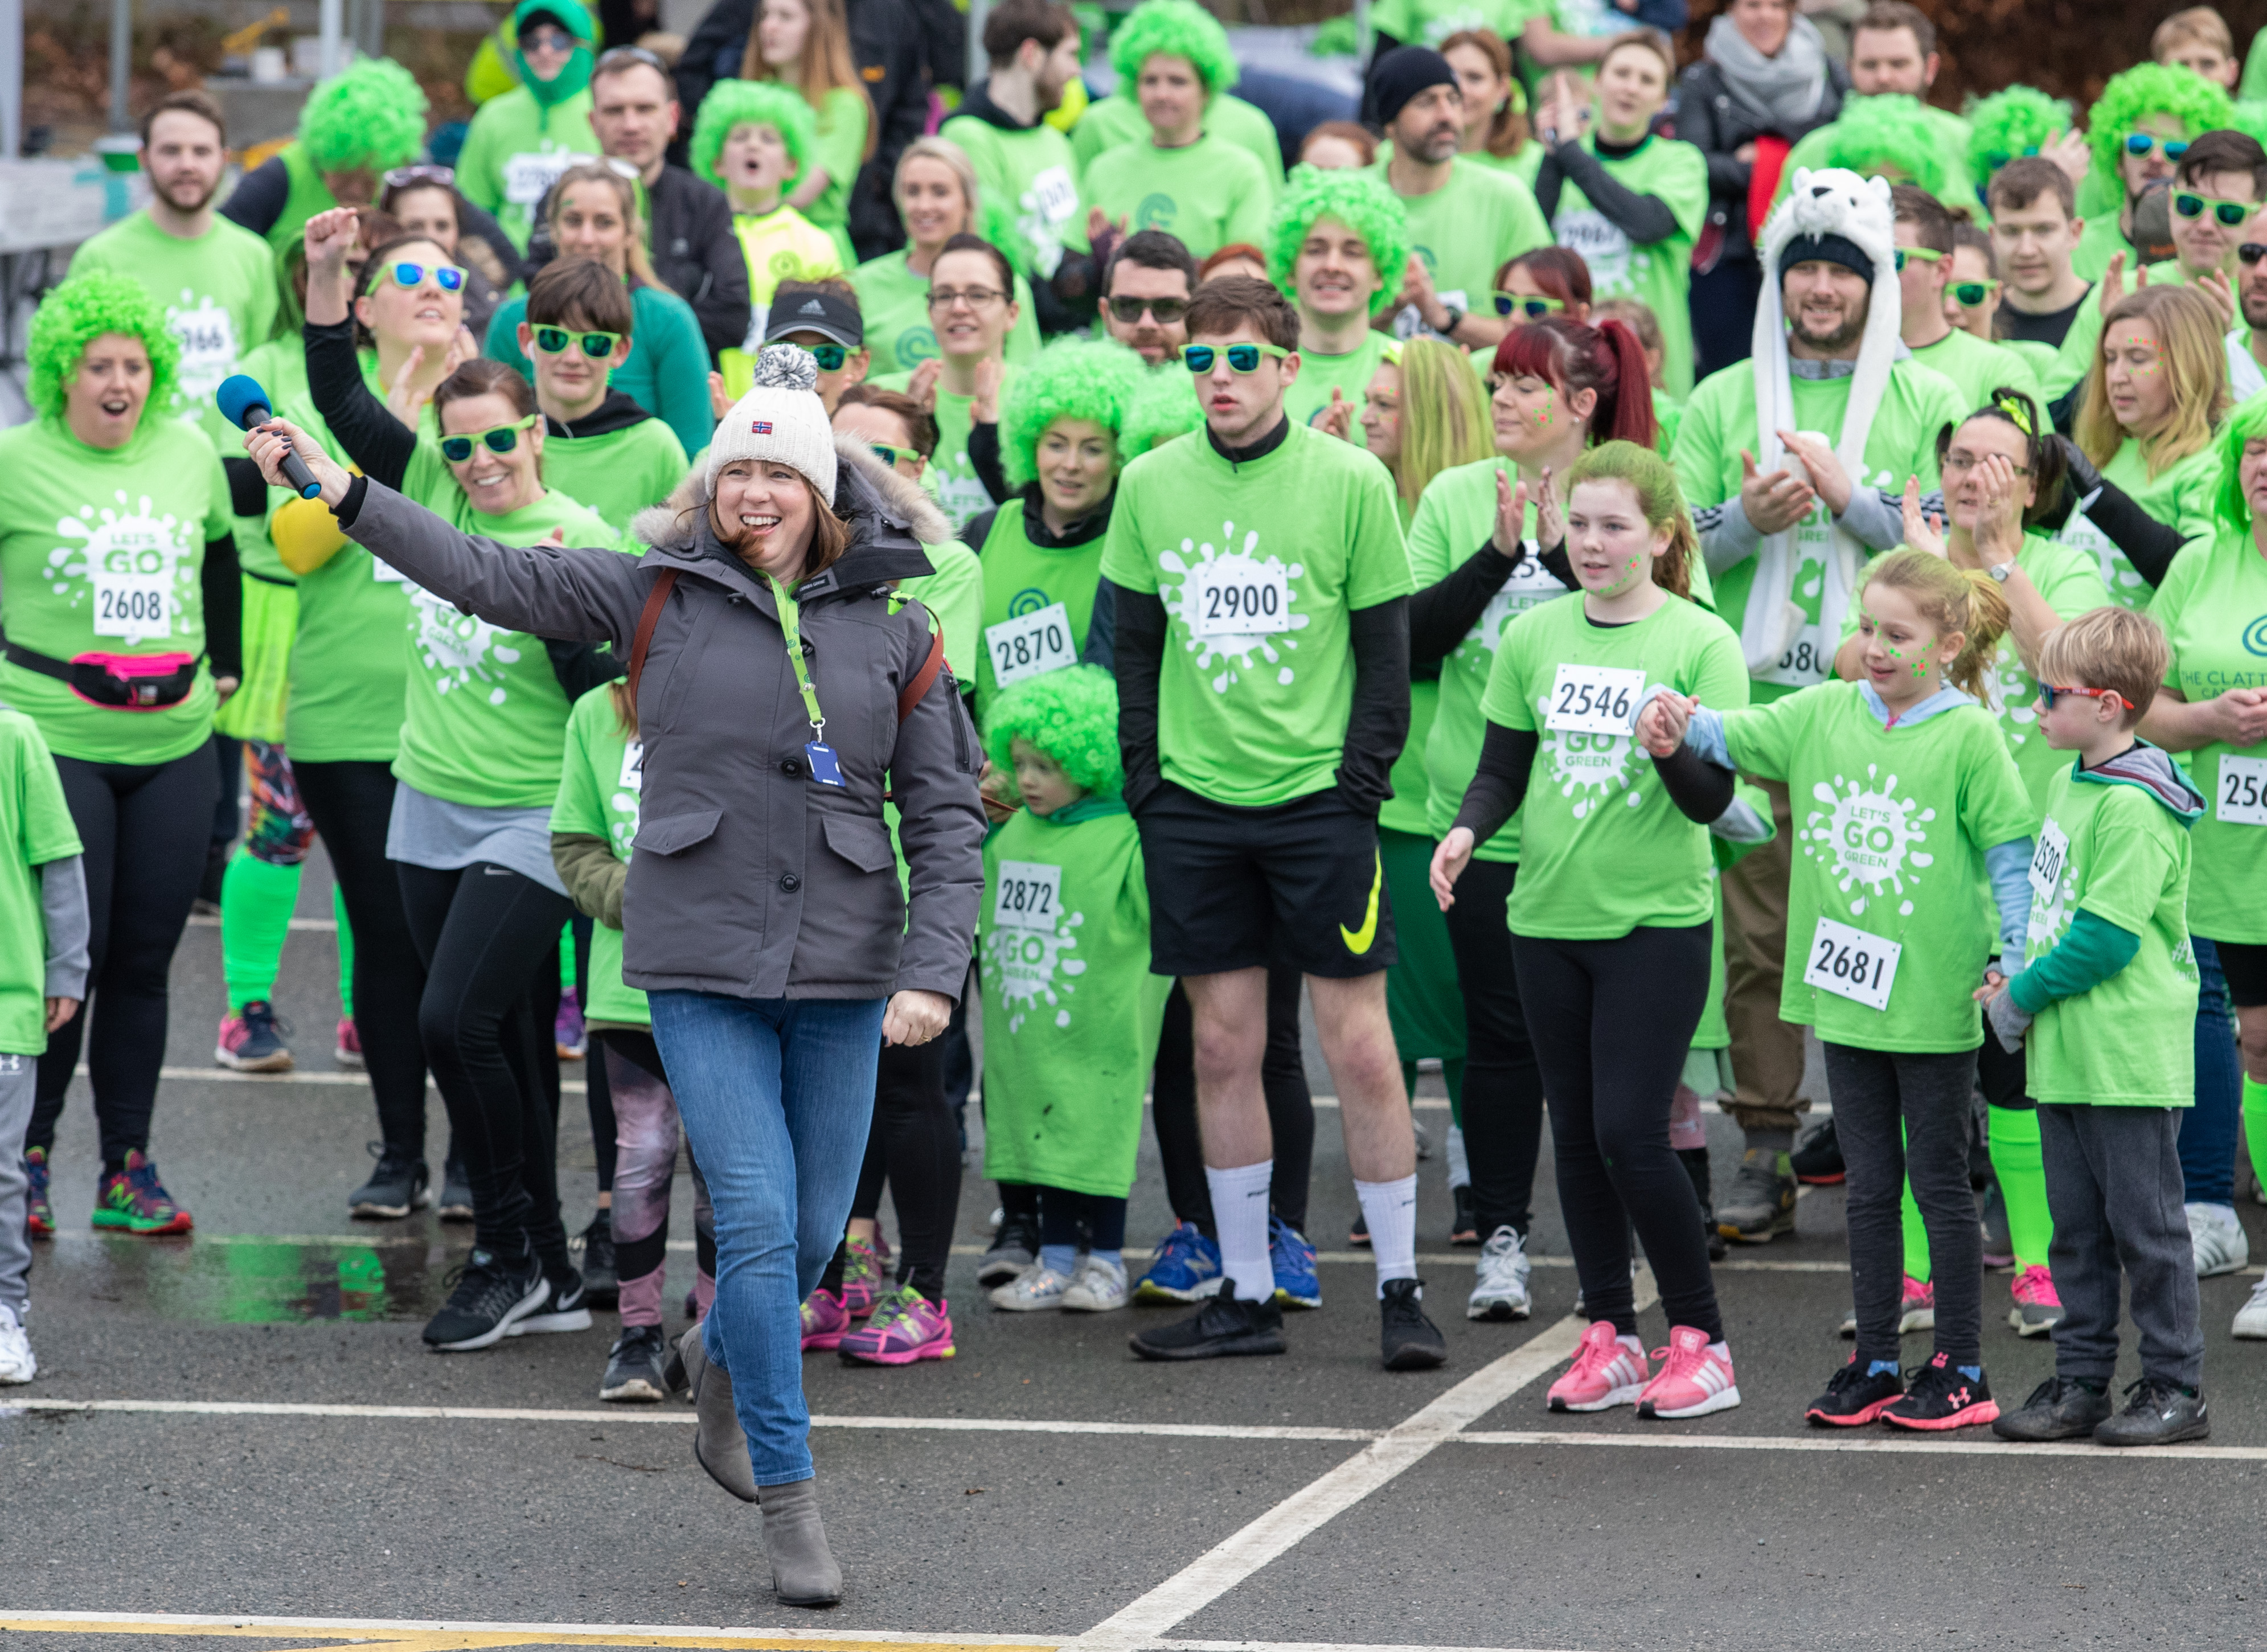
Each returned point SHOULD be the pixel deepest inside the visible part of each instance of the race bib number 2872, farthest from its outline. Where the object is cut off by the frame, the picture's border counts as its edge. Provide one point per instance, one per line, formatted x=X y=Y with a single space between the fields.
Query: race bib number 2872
x=1027 y=895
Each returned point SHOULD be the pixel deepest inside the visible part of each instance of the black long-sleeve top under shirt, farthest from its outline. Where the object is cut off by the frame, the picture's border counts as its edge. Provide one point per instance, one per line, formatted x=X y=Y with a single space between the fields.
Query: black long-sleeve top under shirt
x=1643 y=218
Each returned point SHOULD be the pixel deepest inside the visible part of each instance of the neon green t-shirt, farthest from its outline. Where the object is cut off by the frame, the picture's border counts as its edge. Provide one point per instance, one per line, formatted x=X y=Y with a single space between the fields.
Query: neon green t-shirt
x=1020 y=580
x=782 y=244
x=1660 y=272
x=1030 y=179
x=102 y=552
x=2101 y=240
x=1209 y=194
x=2180 y=496
x=1107 y=122
x=515 y=151
x=617 y=473
x=1309 y=398
x=600 y=778
x=1977 y=367
x=1603 y=850
x=35 y=827
x=1257 y=564
x=2129 y=1041
x=2213 y=608
x=955 y=595
x=2073 y=358
x=1891 y=826
x=893 y=306
x=1467 y=229
x=842 y=117
x=951 y=473
x=1429 y=22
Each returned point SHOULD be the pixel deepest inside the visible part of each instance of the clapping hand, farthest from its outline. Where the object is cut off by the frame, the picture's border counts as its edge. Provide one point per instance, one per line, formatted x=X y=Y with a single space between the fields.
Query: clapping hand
x=1338 y=418
x=1921 y=533
x=1510 y=515
x=1773 y=501
x=922 y=385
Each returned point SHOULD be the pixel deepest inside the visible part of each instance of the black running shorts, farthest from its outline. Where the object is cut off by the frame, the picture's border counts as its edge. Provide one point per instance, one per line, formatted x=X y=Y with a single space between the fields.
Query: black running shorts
x=1299 y=883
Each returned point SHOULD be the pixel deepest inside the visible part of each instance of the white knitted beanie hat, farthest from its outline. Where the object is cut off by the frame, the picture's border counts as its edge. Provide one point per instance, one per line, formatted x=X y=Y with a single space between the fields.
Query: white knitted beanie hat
x=780 y=420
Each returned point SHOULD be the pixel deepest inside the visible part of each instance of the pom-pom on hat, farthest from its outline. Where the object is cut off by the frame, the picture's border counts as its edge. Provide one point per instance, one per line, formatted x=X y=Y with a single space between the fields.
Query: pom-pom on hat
x=780 y=421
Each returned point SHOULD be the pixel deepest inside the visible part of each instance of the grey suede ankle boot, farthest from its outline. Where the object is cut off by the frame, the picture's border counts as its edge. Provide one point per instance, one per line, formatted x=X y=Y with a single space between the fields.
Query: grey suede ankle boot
x=718 y=1444
x=803 y=1571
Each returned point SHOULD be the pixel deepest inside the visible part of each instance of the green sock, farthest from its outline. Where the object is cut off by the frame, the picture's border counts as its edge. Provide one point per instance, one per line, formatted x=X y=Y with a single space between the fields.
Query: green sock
x=1915 y=1235
x=566 y=959
x=2016 y=1156
x=345 y=953
x=255 y=917
x=2254 y=1126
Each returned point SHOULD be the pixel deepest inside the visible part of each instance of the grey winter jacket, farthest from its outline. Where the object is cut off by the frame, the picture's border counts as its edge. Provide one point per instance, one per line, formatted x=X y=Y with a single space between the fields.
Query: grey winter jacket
x=747 y=878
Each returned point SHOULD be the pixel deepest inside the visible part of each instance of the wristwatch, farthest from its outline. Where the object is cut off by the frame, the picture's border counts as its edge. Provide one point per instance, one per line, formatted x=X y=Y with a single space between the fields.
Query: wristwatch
x=2000 y=571
x=1448 y=329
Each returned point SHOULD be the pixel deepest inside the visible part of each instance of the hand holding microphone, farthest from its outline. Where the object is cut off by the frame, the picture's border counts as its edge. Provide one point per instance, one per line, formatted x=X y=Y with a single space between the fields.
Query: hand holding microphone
x=244 y=404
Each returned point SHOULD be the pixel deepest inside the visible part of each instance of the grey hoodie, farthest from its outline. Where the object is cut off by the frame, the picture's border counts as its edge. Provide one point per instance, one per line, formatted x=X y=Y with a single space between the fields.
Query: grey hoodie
x=747 y=878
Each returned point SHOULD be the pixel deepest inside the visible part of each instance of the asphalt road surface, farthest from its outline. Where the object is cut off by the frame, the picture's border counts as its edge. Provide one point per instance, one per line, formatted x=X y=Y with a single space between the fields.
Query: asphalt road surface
x=239 y=1436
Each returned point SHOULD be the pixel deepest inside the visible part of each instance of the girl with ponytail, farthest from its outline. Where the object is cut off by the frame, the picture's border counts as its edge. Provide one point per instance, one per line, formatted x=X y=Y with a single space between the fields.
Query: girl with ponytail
x=1906 y=800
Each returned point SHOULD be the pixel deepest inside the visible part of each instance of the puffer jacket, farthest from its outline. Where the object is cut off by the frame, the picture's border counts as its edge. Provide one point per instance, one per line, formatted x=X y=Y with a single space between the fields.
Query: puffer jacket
x=747 y=878
x=1711 y=119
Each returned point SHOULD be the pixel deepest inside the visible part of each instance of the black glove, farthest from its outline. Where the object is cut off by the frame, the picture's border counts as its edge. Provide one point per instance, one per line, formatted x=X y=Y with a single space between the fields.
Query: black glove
x=2085 y=481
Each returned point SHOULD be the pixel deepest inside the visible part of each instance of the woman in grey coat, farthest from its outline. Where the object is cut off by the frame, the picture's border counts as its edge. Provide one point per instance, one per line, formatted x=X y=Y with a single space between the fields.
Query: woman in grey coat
x=763 y=914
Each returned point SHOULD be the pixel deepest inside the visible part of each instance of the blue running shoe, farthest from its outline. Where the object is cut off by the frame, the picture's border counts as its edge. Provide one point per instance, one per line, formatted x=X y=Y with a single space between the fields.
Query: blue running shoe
x=1297 y=1283
x=1183 y=1267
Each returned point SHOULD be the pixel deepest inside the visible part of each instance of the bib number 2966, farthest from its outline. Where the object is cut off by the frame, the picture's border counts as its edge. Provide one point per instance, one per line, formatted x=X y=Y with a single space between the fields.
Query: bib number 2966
x=1850 y=963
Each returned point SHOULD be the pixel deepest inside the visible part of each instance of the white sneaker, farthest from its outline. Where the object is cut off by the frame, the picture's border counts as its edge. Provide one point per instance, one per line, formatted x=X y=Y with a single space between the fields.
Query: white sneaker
x=2219 y=1240
x=2251 y=1318
x=17 y=1363
x=1037 y=1287
x=1499 y=1279
x=1100 y=1287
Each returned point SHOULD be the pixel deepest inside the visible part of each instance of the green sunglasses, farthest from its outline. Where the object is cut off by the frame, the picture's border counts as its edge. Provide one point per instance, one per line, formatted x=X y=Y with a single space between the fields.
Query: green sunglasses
x=889 y=455
x=1531 y=305
x=595 y=345
x=450 y=278
x=1970 y=295
x=500 y=439
x=2139 y=144
x=2232 y=214
x=829 y=357
x=1244 y=358
x=1921 y=253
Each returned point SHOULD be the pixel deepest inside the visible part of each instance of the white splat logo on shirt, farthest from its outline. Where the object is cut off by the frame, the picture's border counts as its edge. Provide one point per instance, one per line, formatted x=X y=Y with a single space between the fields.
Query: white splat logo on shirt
x=1530 y=585
x=124 y=550
x=1235 y=653
x=461 y=651
x=1874 y=836
x=1594 y=763
x=2013 y=696
x=1024 y=965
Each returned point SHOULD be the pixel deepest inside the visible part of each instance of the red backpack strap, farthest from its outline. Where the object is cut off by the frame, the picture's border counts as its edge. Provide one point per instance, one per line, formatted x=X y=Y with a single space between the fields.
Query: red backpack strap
x=923 y=679
x=655 y=600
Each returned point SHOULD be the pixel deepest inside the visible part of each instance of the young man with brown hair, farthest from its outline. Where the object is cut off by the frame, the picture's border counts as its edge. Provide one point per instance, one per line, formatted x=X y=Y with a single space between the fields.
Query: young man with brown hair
x=2035 y=230
x=1925 y=240
x=601 y=449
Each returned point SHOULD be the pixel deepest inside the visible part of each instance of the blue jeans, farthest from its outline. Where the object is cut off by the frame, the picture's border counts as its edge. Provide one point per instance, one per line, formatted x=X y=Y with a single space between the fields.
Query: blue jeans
x=776 y=1095
x=2208 y=1130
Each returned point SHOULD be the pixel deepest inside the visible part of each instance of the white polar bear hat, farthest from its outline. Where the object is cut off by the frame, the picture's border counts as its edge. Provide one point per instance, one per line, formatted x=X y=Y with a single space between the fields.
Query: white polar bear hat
x=1831 y=201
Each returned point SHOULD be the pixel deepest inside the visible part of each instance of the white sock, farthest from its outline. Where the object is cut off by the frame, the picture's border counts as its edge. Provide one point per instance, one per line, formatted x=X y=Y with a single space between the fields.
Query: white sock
x=1239 y=1215
x=1460 y=1168
x=1391 y=1211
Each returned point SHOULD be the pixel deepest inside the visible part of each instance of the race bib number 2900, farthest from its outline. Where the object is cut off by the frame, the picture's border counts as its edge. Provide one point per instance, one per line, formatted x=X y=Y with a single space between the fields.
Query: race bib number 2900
x=1235 y=596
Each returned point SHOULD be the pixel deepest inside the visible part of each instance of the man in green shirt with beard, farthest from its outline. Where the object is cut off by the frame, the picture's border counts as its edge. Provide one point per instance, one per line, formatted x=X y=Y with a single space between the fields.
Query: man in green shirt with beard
x=1262 y=657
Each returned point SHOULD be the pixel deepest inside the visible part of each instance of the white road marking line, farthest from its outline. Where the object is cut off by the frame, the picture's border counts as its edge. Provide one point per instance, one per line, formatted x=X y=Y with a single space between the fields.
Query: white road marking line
x=1978 y=1441
x=328 y=926
x=1229 y=1563
x=1312 y=1646
x=222 y=1076
x=668 y=1634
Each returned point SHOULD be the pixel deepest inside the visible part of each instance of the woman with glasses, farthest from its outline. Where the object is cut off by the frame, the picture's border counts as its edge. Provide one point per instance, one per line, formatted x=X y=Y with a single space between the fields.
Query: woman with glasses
x=1539 y=283
x=594 y=214
x=1336 y=244
x=423 y=200
x=469 y=831
x=937 y=195
x=2139 y=128
x=805 y=45
x=519 y=142
x=1630 y=201
x=1496 y=132
x=971 y=307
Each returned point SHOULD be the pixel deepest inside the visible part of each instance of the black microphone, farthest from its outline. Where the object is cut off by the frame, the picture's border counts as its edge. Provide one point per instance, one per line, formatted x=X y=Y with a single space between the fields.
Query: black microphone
x=243 y=403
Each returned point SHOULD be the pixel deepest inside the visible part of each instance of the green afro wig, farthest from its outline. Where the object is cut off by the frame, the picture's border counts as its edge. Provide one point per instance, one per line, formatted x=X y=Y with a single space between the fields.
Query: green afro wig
x=2149 y=89
x=1072 y=716
x=2019 y=120
x=1072 y=378
x=1178 y=28
x=1888 y=132
x=82 y=310
x=751 y=103
x=2250 y=118
x=371 y=114
x=1165 y=408
x=1358 y=200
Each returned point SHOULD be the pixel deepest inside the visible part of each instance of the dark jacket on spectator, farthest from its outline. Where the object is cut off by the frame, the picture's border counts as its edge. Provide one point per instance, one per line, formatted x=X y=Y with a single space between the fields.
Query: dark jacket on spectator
x=695 y=253
x=1709 y=118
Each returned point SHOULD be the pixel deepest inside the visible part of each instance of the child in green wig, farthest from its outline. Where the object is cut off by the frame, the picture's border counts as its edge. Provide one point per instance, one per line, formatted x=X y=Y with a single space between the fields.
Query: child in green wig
x=519 y=142
x=353 y=129
x=752 y=139
x=1071 y=1012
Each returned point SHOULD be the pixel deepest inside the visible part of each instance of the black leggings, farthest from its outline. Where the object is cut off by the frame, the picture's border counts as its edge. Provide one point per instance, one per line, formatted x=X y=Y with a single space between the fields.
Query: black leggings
x=1290 y=1107
x=914 y=1145
x=1093 y=1221
x=489 y=937
x=598 y=1083
x=145 y=828
x=1503 y=1087
x=350 y=803
x=1611 y=1021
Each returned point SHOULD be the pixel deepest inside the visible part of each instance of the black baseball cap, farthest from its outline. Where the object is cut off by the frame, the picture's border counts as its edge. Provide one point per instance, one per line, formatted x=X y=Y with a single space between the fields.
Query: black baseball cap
x=796 y=308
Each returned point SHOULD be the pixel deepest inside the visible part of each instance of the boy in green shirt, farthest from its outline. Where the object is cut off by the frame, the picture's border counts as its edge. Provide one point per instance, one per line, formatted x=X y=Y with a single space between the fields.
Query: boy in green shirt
x=2105 y=1003
x=2133 y=128
x=43 y=964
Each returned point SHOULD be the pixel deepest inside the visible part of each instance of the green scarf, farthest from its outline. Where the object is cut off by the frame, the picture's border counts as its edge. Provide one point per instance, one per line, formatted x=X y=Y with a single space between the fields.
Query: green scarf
x=576 y=75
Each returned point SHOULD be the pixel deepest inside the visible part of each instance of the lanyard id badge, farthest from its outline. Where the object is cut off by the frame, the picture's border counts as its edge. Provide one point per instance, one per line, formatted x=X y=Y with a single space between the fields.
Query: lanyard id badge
x=825 y=767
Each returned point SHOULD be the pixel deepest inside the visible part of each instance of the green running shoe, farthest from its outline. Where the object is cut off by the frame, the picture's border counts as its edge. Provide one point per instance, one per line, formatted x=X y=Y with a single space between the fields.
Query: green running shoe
x=134 y=1200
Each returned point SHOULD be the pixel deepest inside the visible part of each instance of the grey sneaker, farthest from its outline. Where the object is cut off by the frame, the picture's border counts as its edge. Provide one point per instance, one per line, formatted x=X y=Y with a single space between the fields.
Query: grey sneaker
x=1499 y=1279
x=2218 y=1238
x=1761 y=1203
x=2157 y=1412
x=1014 y=1248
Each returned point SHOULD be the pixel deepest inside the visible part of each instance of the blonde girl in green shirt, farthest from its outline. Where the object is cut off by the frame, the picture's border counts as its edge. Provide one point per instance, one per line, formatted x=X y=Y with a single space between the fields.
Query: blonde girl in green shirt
x=805 y=44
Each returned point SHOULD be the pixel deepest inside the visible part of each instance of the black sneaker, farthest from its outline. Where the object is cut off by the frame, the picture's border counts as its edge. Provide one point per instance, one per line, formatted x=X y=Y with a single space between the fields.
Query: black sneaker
x=1818 y=1160
x=489 y=1295
x=399 y=1184
x=674 y=1377
x=1761 y=1202
x=1463 y=1231
x=1406 y=1338
x=455 y=1194
x=2157 y=1412
x=1014 y=1248
x=1225 y=1326
x=1359 y=1236
x=637 y=1368
x=1938 y=1397
x=569 y=1308
x=1851 y=1398
x=2059 y=1408
x=600 y=1282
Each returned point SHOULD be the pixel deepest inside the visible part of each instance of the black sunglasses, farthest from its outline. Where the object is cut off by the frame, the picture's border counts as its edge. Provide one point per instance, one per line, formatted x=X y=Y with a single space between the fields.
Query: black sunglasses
x=1127 y=312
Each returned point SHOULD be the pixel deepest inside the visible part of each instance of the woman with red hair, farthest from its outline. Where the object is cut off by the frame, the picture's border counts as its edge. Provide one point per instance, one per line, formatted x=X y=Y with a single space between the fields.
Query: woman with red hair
x=1546 y=281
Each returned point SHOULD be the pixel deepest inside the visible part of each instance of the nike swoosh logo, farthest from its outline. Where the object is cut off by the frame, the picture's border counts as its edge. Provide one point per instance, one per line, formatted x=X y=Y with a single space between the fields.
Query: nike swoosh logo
x=1357 y=940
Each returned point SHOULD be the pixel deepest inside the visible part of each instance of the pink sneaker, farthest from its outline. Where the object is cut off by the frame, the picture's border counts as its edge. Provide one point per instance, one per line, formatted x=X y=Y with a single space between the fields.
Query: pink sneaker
x=1607 y=1372
x=906 y=1326
x=2037 y=1309
x=1915 y=1306
x=864 y=1275
x=823 y=1321
x=347 y=1052
x=1693 y=1383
